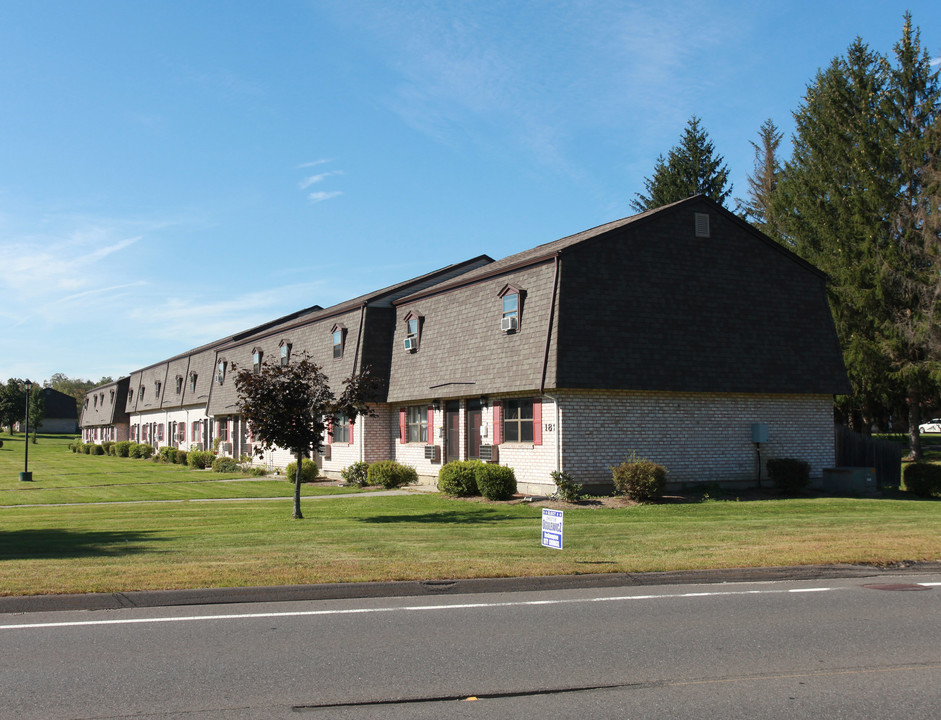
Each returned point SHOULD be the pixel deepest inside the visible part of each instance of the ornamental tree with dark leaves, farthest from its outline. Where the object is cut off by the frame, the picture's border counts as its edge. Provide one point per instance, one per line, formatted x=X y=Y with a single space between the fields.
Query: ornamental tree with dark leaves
x=291 y=406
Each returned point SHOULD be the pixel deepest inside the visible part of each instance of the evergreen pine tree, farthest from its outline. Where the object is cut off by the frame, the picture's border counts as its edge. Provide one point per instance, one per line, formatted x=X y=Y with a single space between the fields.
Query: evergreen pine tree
x=690 y=168
x=756 y=208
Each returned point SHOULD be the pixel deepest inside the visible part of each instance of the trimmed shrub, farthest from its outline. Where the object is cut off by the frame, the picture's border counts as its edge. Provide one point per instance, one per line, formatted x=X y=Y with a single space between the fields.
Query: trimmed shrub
x=107 y=445
x=96 y=450
x=356 y=474
x=141 y=450
x=200 y=459
x=168 y=454
x=86 y=448
x=253 y=470
x=566 y=488
x=225 y=464
x=457 y=478
x=180 y=457
x=75 y=447
x=495 y=482
x=788 y=474
x=122 y=448
x=391 y=474
x=922 y=479
x=309 y=471
x=639 y=479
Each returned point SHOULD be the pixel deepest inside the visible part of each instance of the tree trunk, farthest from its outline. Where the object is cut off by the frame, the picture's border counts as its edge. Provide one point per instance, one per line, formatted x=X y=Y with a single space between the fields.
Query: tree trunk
x=914 y=420
x=297 y=488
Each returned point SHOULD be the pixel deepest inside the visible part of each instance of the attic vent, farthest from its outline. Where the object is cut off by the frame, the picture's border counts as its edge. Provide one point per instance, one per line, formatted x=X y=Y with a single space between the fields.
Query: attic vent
x=702 y=225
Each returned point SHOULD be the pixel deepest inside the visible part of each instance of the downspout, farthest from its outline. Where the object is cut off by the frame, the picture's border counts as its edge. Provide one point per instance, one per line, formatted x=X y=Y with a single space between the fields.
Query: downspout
x=545 y=366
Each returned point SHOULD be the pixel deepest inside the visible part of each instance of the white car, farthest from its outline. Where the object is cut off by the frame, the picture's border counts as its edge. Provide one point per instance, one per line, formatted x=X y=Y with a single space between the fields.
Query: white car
x=932 y=426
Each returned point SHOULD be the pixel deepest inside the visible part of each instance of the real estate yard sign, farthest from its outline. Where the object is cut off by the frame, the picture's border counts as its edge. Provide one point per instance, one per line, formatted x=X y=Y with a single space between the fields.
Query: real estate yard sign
x=552 y=528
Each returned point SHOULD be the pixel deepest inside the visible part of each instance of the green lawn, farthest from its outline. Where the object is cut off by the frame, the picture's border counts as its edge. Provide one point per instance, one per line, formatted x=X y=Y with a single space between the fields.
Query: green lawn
x=60 y=476
x=150 y=545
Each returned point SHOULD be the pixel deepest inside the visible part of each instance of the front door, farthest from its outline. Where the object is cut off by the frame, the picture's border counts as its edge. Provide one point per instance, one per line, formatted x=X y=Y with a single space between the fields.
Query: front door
x=452 y=423
x=474 y=419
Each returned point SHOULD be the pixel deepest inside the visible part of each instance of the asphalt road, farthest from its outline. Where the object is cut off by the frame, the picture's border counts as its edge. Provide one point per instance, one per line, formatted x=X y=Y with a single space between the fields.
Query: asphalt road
x=839 y=647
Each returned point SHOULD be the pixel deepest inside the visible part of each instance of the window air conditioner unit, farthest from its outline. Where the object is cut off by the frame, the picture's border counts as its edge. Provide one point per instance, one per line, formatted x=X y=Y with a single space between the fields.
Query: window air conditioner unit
x=411 y=344
x=433 y=453
x=227 y=447
x=509 y=323
x=490 y=453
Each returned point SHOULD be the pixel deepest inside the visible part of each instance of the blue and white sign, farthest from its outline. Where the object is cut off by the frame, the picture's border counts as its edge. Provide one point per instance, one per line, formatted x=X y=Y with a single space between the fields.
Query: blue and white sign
x=552 y=528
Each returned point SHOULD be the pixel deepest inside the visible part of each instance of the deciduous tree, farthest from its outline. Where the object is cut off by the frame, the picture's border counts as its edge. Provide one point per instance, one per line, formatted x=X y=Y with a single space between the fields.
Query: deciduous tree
x=291 y=406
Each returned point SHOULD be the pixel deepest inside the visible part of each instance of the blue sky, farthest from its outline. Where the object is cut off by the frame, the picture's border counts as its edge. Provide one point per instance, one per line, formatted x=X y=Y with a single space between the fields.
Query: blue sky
x=171 y=172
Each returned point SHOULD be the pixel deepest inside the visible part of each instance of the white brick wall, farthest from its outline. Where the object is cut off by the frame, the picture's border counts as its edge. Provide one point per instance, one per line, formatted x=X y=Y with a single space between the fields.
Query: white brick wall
x=697 y=437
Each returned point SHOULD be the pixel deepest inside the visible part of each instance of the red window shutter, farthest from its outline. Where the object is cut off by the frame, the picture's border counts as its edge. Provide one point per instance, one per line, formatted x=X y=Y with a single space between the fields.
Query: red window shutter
x=329 y=432
x=351 y=432
x=537 y=422
x=497 y=422
x=431 y=426
x=403 y=429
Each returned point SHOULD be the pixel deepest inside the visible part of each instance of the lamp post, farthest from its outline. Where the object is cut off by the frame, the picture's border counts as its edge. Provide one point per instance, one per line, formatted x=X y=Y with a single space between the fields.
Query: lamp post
x=26 y=475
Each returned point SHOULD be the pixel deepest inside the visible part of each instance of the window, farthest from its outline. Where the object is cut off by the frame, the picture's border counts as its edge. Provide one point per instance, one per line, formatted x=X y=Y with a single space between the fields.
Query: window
x=220 y=372
x=130 y=395
x=518 y=420
x=222 y=430
x=512 y=300
x=157 y=389
x=285 y=353
x=417 y=424
x=160 y=432
x=257 y=355
x=413 y=326
x=179 y=384
x=192 y=382
x=140 y=393
x=339 y=333
x=340 y=429
x=194 y=431
x=95 y=404
x=112 y=397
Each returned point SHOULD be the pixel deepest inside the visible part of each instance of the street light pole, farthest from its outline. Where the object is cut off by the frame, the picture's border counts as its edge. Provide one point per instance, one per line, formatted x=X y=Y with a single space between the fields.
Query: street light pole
x=26 y=475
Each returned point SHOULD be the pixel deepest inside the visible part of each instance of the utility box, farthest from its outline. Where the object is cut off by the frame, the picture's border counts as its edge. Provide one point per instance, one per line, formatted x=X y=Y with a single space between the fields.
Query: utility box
x=759 y=433
x=850 y=481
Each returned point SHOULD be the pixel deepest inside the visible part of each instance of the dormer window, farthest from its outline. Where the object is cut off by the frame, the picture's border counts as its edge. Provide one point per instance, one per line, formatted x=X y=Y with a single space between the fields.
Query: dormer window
x=413 y=325
x=512 y=299
x=96 y=401
x=339 y=335
x=285 y=352
x=256 y=360
x=130 y=395
x=192 y=382
x=157 y=390
x=140 y=393
x=220 y=372
x=179 y=384
x=112 y=397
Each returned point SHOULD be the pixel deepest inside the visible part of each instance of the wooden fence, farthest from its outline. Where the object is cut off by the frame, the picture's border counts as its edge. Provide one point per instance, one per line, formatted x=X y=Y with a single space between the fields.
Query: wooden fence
x=855 y=450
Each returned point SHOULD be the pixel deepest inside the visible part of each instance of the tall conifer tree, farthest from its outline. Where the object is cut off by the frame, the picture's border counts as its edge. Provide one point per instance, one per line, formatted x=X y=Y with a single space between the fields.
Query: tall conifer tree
x=690 y=168
x=756 y=208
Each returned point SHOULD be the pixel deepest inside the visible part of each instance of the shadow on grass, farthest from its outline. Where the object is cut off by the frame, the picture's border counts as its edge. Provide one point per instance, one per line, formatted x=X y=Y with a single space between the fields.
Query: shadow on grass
x=477 y=516
x=57 y=543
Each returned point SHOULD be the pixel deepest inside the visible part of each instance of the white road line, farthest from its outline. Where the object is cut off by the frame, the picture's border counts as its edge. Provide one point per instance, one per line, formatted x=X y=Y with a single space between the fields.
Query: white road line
x=407 y=608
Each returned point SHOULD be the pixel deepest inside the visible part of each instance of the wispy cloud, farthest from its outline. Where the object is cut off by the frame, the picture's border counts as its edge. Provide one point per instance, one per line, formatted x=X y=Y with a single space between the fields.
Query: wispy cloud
x=318 y=197
x=314 y=179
